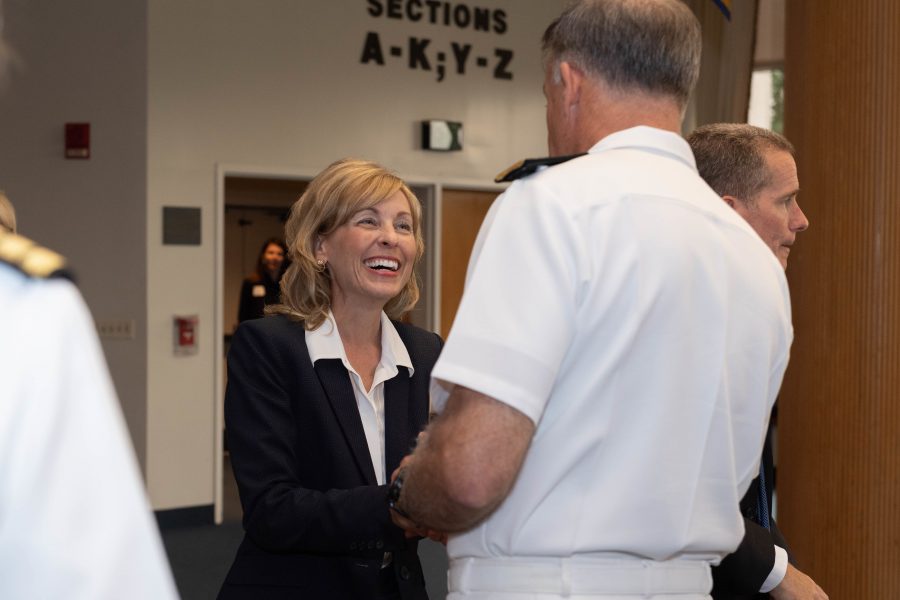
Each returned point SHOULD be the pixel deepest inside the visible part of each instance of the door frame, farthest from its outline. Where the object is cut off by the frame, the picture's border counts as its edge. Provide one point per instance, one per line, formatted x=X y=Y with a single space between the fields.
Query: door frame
x=224 y=170
x=436 y=232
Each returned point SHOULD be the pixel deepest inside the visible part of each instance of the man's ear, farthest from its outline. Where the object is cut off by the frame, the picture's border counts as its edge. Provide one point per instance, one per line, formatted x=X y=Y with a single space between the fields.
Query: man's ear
x=571 y=78
x=730 y=200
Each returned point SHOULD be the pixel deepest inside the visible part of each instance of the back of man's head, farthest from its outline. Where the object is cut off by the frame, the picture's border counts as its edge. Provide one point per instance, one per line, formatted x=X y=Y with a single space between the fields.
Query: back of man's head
x=731 y=157
x=647 y=45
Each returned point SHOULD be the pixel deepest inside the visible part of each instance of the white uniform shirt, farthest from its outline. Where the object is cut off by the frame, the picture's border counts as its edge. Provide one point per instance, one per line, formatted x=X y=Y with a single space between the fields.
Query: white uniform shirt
x=644 y=327
x=74 y=519
x=325 y=342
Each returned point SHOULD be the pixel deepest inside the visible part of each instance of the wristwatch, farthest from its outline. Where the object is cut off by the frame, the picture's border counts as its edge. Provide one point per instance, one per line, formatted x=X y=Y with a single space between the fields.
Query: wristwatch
x=393 y=495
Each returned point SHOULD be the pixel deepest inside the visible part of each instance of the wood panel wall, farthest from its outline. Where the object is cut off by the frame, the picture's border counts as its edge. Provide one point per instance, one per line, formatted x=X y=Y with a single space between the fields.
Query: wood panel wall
x=839 y=421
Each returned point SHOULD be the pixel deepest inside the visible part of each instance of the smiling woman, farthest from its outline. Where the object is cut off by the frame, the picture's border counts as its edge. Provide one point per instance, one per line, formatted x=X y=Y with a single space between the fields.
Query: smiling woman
x=371 y=256
x=328 y=394
x=340 y=198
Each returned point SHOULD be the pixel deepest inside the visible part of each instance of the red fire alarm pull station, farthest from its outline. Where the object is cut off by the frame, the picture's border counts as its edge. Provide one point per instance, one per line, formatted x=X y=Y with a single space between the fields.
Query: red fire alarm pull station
x=78 y=140
x=185 y=334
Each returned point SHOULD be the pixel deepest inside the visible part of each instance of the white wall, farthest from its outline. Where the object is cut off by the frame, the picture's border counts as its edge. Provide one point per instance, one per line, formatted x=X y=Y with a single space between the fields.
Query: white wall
x=85 y=61
x=279 y=84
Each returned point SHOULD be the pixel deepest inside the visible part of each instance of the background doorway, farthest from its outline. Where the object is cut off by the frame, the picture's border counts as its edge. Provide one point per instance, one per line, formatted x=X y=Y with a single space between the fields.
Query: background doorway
x=256 y=209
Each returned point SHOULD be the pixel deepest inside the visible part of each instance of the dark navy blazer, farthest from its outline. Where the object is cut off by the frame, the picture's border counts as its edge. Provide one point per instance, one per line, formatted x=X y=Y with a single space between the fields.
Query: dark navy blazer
x=740 y=575
x=316 y=522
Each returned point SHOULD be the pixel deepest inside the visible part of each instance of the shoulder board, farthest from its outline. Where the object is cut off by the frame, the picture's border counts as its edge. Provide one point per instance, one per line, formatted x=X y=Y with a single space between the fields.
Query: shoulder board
x=530 y=165
x=31 y=259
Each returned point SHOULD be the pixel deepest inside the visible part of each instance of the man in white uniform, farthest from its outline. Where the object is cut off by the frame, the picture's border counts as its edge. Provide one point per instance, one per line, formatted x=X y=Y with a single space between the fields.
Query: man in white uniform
x=620 y=341
x=74 y=520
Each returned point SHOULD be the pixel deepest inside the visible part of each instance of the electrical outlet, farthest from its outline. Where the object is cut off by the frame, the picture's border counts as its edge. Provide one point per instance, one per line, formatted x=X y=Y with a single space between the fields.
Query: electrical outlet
x=115 y=329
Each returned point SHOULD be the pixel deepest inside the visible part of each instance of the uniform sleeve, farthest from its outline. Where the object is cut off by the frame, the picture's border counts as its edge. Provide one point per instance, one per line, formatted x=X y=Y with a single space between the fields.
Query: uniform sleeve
x=516 y=317
x=74 y=520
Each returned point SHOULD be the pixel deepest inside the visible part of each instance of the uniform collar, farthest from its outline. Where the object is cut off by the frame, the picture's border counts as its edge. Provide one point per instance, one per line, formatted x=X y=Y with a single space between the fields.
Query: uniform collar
x=649 y=139
x=324 y=342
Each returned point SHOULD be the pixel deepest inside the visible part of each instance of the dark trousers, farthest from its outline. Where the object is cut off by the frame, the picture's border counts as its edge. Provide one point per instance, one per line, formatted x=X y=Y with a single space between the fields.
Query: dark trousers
x=387 y=588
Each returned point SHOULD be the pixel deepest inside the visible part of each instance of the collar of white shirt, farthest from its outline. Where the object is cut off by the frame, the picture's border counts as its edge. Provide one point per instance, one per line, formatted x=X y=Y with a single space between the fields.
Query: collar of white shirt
x=649 y=139
x=325 y=342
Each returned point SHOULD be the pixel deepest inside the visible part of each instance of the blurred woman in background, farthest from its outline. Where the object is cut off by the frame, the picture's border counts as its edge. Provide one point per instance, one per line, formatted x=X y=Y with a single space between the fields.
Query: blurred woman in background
x=262 y=287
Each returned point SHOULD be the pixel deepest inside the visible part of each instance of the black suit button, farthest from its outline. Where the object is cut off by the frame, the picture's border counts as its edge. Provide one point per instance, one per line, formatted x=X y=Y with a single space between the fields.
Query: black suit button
x=404 y=573
x=379 y=544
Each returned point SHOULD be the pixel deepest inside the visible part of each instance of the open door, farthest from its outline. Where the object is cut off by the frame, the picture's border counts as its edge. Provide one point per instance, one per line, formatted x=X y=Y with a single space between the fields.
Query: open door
x=462 y=212
x=256 y=209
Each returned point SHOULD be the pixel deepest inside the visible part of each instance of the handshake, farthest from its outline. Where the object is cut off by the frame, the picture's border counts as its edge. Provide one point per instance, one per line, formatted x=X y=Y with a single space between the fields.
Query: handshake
x=400 y=518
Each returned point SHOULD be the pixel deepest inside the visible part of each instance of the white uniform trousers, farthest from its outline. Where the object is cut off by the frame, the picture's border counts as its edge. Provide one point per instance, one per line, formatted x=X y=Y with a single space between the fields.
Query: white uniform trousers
x=577 y=578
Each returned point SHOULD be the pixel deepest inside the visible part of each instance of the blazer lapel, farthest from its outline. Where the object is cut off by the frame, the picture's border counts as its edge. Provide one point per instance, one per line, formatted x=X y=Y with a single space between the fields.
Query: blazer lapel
x=397 y=434
x=336 y=382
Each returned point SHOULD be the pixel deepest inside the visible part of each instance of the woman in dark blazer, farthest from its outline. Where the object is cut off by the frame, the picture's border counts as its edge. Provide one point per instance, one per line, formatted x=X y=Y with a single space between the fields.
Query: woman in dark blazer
x=326 y=397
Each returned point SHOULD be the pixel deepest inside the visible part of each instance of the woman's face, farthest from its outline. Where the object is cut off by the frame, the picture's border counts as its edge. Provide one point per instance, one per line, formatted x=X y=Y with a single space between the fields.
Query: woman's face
x=273 y=257
x=371 y=256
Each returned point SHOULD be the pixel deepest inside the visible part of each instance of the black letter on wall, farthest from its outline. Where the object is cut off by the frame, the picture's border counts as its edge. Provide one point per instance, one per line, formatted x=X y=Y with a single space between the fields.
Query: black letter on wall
x=375 y=8
x=499 y=21
x=372 y=49
x=417 y=53
x=505 y=57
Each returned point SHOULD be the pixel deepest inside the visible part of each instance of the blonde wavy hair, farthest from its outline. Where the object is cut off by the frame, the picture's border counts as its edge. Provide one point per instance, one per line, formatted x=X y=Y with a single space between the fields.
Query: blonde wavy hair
x=344 y=188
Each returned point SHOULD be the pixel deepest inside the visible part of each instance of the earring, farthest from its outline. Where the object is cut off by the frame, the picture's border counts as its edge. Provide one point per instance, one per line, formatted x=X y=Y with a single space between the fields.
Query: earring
x=321 y=263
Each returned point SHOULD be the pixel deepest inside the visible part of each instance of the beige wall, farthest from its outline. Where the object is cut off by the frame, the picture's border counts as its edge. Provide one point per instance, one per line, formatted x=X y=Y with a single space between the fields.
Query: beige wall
x=85 y=61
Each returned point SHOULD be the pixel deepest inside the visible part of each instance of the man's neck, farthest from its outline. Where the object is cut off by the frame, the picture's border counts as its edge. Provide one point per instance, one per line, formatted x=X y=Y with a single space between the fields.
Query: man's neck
x=607 y=111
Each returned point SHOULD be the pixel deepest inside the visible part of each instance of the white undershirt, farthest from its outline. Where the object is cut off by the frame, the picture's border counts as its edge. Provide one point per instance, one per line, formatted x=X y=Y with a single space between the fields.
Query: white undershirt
x=324 y=342
x=779 y=570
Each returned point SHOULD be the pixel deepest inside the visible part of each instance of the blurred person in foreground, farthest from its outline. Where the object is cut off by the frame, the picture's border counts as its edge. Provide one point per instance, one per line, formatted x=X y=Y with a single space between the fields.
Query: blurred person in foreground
x=620 y=341
x=74 y=519
x=754 y=171
x=326 y=396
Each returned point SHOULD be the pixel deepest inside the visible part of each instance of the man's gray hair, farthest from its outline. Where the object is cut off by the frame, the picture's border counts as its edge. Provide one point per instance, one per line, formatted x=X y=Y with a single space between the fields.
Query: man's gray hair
x=731 y=157
x=650 y=45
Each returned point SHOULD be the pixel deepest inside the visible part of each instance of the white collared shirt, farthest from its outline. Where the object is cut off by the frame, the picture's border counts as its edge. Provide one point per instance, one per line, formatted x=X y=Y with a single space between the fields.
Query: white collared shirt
x=324 y=342
x=644 y=328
